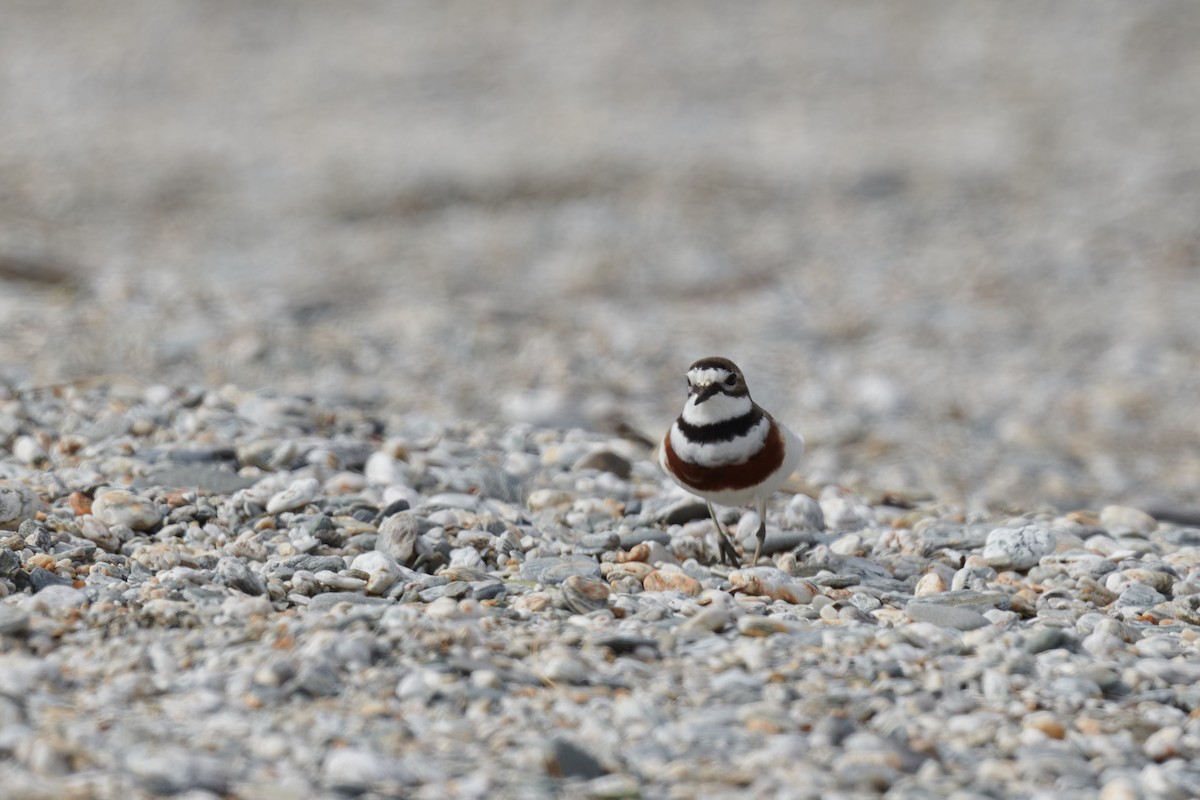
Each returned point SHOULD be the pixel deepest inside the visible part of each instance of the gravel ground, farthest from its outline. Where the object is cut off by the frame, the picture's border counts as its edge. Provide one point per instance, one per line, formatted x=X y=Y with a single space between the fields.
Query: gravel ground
x=521 y=612
x=271 y=271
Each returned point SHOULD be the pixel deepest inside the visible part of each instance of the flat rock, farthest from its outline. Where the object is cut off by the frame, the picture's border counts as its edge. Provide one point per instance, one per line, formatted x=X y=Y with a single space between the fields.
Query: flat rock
x=556 y=570
x=945 y=616
x=200 y=476
x=326 y=601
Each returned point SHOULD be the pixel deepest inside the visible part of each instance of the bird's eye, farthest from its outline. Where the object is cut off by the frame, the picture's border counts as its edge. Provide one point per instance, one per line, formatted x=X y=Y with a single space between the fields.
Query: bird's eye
x=731 y=381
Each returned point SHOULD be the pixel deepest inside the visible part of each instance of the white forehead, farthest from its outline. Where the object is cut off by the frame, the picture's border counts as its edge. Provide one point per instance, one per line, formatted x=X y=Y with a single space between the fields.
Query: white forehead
x=704 y=377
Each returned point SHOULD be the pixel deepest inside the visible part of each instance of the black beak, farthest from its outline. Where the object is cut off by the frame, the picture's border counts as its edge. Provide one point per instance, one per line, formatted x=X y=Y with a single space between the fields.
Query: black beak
x=705 y=392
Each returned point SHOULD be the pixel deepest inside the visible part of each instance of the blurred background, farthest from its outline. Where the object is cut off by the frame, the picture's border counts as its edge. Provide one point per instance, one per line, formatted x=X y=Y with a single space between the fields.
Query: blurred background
x=955 y=244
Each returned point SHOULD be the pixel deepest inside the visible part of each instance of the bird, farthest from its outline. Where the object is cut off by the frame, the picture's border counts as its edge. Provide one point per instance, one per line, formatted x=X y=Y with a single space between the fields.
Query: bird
x=727 y=449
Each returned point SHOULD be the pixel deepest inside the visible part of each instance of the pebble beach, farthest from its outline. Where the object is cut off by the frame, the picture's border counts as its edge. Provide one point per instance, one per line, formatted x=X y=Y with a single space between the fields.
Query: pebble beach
x=220 y=594
x=335 y=347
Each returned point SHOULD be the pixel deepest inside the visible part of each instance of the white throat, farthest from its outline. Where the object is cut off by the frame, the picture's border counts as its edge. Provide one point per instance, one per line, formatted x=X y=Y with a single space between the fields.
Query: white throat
x=718 y=408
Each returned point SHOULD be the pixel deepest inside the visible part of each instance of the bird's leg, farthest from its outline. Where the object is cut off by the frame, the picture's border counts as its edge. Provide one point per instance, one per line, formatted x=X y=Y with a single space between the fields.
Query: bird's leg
x=762 y=528
x=728 y=554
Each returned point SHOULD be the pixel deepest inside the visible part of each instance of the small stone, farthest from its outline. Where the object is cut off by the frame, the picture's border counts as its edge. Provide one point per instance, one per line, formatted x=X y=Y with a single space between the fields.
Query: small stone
x=644 y=536
x=339 y=582
x=296 y=496
x=1139 y=596
x=1018 y=548
x=1125 y=521
x=1165 y=743
x=57 y=596
x=443 y=608
x=29 y=451
x=398 y=537
x=13 y=620
x=567 y=760
x=753 y=625
x=930 y=583
x=356 y=771
x=804 y=513
x=532 y=602
x=548 y=498
x=966 y=598
x=80 y=504
x=556 y=570
x=317 y=679
x=316 y=563
x=1047 y=724
x=10 y=565
x=123 y=507
x=451 y=500
x=1160 y=582
x=605 y=461
x=944 y=616
x=41 y=578
x=612 y=787
x=975 y=575
x=671 y=580
x=326 y=601
x=167 y=769
x=593 y=544
x=773 y=583
x=848 y=545
x=683 y=511
x=843 y=510
x=584 y=595
x=1042 y=639
x=1119 y=788
x=394 y=507
x=17 y=503
x=202 y=477
x=382 y=571
x=563 y=666
x=237 y=574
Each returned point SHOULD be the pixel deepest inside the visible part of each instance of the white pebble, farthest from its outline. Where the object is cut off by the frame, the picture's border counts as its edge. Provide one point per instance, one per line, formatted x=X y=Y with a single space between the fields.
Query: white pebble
x=296 y=496
x=1018 y=548
x=123 y=507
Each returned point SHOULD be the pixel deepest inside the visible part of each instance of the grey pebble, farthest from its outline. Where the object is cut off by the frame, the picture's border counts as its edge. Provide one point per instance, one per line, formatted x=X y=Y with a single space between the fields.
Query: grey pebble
x=596 y=543
x=1139 y=596
x=946 y=616
x=10 y=563
x=553 y=570
x=193 y=476
x=354 y=771
x=786 y=541
x=327 y=600
x=1018 y=548
x=804 y=513
x=316 y=563
x=41 y=578
x=1046 y=638
x=565 y=759
x=639 y=535
x=683 y=511
x=605 y=461
x=17 y=503
x=13 y=620
x=969 y=598
x=237 y=574
x=166 y=769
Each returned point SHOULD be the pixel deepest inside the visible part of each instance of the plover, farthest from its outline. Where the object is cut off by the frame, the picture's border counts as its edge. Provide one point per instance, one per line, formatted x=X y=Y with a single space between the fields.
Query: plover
x=725 y=448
